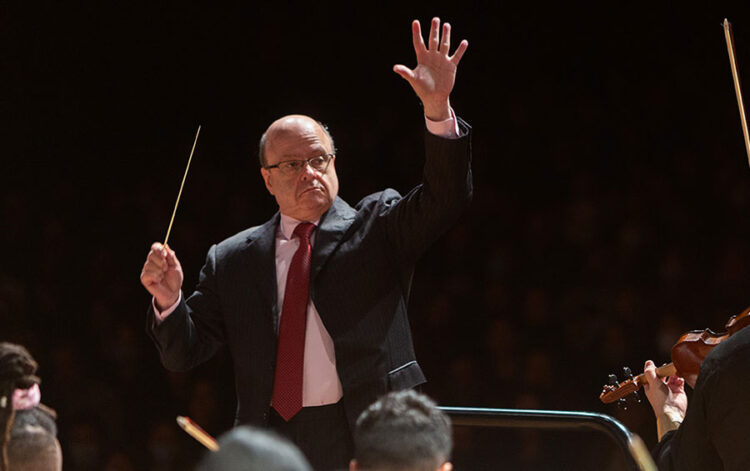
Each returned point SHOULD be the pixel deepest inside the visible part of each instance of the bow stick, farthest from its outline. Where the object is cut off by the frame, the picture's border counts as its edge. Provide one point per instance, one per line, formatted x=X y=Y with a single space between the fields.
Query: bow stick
x=736 y=76
x=169 y=229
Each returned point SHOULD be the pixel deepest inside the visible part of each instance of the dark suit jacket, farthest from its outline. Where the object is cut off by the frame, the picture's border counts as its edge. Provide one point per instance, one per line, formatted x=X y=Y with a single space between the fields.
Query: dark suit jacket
x=360 y=276
x=713 y=436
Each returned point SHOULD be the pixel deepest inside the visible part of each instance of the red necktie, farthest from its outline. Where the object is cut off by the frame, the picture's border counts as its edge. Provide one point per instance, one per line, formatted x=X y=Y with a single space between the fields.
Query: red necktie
x=287 y=382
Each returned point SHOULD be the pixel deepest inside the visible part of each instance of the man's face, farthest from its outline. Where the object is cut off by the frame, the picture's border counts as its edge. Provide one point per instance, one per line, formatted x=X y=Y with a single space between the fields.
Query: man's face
x=307 y=194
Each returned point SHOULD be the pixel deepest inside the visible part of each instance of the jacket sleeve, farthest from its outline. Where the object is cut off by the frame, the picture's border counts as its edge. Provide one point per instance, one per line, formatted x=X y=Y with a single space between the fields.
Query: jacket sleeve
x=193 y=332
x=412 y=223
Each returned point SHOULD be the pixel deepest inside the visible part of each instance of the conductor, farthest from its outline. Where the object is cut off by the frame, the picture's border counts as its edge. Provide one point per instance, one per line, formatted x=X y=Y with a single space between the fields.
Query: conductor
x=312 y=303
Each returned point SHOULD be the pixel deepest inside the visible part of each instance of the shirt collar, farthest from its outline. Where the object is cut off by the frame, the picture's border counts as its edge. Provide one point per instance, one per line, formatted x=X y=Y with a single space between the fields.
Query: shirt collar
x=287 y=225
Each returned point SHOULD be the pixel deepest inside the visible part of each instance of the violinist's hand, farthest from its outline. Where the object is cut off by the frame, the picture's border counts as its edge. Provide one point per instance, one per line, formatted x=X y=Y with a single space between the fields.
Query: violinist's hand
x=435 y=74
x=162 y=275
x=667 y=399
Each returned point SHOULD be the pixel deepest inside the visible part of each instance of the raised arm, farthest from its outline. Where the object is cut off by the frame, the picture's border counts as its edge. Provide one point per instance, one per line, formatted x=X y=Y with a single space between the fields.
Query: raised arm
x=435 y=74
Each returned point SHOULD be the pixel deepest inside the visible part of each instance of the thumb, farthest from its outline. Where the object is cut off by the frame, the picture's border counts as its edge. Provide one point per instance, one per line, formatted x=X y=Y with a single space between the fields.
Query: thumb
x=649 y=372
x=405 y=72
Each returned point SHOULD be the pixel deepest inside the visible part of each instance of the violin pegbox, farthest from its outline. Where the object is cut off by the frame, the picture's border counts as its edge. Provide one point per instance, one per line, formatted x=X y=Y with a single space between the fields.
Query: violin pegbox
x=629 y=374
x=609 y=390
x=617 y=391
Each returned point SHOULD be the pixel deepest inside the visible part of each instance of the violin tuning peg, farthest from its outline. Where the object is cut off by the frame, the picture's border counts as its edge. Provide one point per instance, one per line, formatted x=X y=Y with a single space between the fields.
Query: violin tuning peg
x=612 y=380
x=627 y=372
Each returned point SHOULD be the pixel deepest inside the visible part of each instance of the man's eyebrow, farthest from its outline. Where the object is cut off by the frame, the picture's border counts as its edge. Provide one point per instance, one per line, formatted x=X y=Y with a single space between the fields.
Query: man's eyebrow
x=297 y=156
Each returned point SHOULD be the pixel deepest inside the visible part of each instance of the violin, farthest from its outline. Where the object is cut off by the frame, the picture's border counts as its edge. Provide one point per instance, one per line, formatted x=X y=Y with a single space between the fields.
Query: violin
x=690 y=350
x=687 y=355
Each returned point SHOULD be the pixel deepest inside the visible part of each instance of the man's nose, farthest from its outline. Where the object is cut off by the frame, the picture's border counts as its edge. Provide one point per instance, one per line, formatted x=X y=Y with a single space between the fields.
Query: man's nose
x=307 y=171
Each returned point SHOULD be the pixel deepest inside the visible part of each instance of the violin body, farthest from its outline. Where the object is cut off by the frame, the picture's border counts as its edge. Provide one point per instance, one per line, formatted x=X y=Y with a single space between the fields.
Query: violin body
x=691 y=349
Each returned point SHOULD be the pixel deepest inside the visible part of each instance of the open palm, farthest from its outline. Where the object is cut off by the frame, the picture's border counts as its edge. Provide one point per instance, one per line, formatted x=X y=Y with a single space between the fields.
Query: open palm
x=435 y=74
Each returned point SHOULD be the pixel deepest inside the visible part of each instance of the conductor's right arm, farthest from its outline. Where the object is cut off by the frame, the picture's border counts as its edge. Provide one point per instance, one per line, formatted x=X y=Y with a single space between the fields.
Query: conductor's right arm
x=188 y=331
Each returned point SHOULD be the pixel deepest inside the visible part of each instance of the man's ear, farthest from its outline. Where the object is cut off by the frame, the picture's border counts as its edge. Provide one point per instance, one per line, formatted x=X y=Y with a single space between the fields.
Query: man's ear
x=266 y=174
x=447 y=466
x=353 y=465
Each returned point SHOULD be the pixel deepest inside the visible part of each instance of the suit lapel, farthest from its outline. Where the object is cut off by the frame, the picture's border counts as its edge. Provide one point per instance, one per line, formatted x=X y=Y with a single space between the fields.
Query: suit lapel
x=261 y=251
x=261 y=264
x=333 y=226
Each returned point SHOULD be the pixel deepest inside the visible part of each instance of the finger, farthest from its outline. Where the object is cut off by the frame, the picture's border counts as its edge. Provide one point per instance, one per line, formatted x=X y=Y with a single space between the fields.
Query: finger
x=151 y=277
x=675 y=384
x=159 y=249
x=405 y=72
x=434 y=33
x=649 y=372
x=456 y=58
x=171 y=259
x=157 y=259
x=416 y=37
x=445 y=44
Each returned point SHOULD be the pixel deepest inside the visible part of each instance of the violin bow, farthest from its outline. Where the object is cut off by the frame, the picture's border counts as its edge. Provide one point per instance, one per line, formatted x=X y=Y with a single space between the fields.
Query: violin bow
x=184 y=177
x=736 y=76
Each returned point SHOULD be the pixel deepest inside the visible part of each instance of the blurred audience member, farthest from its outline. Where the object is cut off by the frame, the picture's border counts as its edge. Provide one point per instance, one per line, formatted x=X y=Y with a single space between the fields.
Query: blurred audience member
x=28 y=431
x=247 y=448
x=33 y=445
x=402 y=431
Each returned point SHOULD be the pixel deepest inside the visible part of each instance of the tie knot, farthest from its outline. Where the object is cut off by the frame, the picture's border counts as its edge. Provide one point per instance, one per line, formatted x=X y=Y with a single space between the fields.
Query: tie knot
x=303 y=230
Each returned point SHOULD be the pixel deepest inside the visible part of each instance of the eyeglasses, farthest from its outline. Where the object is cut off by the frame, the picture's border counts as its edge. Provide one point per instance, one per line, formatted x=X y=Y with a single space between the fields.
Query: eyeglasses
x=293 y=167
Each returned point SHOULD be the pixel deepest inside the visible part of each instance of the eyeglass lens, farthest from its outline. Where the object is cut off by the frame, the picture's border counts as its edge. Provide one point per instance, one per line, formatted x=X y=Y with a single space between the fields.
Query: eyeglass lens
x=319 y=163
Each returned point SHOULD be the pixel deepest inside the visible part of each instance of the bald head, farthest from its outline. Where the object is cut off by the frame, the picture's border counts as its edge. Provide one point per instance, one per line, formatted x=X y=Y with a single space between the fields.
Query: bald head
x=304 y=192
x=284 y=123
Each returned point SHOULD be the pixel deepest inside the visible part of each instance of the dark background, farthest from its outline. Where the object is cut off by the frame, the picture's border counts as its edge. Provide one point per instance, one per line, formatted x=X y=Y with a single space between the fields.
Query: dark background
x=609 y=214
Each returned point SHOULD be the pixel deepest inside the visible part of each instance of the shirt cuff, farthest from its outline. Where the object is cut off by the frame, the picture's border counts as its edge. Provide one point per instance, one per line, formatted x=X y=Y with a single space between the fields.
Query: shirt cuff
x=666 y=422
x=447 y=128
x=160 y=316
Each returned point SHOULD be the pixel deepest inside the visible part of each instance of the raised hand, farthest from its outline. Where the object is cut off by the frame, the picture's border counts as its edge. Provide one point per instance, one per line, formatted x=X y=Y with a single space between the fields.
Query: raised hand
x=162 y=275
x=435 y=74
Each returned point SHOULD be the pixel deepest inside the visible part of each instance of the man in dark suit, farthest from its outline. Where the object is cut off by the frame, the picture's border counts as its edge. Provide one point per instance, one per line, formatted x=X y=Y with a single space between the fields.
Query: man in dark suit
x=708 y=435
x=307 y=363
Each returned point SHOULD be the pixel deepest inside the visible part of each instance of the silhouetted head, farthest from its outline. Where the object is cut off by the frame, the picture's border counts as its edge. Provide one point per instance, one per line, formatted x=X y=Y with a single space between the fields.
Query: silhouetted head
x=402 y=431
x=250 y=449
